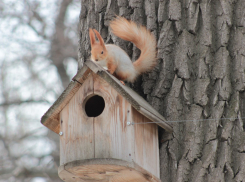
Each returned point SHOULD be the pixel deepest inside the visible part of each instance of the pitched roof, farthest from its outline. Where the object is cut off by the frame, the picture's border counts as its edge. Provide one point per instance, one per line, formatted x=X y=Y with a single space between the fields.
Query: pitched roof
x=51 y=118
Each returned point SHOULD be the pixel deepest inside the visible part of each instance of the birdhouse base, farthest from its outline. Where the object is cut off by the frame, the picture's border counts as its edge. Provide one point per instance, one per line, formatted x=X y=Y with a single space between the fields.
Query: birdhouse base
x=104 y=170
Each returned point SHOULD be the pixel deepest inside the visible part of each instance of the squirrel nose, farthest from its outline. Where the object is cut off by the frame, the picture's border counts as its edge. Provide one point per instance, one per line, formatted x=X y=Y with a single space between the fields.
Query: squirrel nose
x=96 y=59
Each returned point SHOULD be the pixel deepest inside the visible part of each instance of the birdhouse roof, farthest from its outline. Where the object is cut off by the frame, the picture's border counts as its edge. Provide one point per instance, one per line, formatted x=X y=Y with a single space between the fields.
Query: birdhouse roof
x=51 y=118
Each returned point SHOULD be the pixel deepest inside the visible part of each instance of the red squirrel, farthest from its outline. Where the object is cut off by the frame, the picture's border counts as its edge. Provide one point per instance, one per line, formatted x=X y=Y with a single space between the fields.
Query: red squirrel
x=116 y=60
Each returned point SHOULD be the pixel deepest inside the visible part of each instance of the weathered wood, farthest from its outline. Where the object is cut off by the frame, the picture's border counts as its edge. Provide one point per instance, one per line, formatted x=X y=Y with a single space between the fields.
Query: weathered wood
x=77 y=141
x=113 y=138
x=150 y=149
x=146 y=143
x=104 y=170
x=139 y=139
x=51 y=118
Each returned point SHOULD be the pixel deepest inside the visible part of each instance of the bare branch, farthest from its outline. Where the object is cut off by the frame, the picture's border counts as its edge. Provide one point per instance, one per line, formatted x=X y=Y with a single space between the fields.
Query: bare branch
x=61 y=43
x=23 y=172
x=18 y=102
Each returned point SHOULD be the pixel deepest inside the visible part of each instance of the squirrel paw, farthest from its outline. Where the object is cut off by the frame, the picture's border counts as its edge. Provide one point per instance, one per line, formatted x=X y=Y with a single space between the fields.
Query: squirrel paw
x=122 y=82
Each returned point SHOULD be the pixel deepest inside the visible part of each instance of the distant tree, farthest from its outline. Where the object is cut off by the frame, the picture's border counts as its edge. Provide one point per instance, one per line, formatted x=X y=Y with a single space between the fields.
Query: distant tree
x=37 y=38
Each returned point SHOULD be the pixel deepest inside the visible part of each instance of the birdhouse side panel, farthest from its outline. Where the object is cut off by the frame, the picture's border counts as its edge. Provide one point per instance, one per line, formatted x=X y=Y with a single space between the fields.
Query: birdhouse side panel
x=146 y=143
x=151 y=148
x=113 y=137
x=139 y=137
x=77 y=139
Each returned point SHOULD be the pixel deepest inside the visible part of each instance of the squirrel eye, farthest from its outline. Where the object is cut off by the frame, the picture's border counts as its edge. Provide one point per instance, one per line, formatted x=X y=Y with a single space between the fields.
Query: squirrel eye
x=102 y=52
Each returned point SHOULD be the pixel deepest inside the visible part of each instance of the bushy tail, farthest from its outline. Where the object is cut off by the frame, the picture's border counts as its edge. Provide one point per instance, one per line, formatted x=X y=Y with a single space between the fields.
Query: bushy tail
x=141 y=37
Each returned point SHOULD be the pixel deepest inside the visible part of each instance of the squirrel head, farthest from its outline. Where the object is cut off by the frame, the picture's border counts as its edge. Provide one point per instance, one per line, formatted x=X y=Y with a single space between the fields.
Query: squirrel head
x=98 y=49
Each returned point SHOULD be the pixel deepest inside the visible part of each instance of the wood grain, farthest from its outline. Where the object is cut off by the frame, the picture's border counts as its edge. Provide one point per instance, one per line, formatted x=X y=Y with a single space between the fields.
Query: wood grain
x=146 y=143
x=104 y=170
x=51 y=118
x=77 y=141
x=113 y=138
x=151 y=148
x=139 y=137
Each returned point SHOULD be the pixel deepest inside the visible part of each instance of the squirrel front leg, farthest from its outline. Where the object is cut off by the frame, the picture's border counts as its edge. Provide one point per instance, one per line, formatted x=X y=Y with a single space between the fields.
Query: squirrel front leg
x=111 y=66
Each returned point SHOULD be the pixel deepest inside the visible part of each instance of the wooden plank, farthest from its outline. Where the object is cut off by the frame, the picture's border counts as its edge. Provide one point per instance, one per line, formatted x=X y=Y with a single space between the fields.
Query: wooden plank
x=146 y=143
x=51 y=118
x=113 y=137
x=151 y=148
x=139 y=137
x=66 y=175
x=104 y=170
x=77 y=141
x=93 y=66
x=64 y=138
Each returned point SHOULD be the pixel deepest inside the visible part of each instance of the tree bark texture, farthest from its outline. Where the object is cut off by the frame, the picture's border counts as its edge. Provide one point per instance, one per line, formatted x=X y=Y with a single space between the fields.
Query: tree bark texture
x=199 y=80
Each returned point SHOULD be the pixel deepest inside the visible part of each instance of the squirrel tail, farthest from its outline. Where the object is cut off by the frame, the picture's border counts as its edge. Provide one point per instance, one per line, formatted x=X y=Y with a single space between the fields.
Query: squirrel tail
x=141 y=37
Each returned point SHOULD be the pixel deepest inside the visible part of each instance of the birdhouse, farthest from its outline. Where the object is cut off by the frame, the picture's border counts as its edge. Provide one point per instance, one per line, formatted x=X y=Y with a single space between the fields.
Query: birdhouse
x=106 y=130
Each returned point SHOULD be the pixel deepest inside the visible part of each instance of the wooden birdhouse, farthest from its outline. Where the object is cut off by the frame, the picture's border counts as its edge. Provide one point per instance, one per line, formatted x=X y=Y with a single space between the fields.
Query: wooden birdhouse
x=105 y=130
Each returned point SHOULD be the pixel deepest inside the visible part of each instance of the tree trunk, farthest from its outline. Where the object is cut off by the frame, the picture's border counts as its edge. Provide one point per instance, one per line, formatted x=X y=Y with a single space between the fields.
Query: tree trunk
x=199 y=81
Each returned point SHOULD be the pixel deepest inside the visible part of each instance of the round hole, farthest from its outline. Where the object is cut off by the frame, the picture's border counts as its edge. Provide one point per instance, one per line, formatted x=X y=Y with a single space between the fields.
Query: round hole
x=94 y=106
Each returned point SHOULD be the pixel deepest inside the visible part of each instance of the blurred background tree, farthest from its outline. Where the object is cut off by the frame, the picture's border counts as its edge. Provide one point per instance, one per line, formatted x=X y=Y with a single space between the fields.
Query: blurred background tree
x=38 y=53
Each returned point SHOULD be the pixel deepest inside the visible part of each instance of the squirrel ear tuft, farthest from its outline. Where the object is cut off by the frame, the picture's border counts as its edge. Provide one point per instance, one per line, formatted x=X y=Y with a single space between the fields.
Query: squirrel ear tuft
x=92 y=37
x=100 y=38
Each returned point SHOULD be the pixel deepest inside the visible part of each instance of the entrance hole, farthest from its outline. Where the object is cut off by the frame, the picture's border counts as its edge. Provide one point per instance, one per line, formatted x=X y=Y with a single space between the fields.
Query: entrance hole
x=94 y=106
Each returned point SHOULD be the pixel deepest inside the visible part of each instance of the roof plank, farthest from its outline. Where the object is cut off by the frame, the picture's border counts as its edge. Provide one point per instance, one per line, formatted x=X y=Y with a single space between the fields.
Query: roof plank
x=51 y=118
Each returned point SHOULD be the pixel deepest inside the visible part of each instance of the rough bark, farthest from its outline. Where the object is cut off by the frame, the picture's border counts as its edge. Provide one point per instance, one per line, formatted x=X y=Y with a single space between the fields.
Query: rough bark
x=200 y=77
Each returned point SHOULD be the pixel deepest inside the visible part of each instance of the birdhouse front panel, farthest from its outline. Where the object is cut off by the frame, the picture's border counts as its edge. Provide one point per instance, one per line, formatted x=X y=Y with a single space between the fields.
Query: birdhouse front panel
x=107 y=135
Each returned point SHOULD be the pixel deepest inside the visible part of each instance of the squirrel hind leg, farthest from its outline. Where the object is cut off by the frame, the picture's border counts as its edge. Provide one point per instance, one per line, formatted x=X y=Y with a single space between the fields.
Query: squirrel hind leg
x=121 y=76
x=130 y=77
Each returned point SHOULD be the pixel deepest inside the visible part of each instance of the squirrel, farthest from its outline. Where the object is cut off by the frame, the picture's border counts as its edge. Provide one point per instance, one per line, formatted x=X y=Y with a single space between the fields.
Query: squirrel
x=115 y=59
